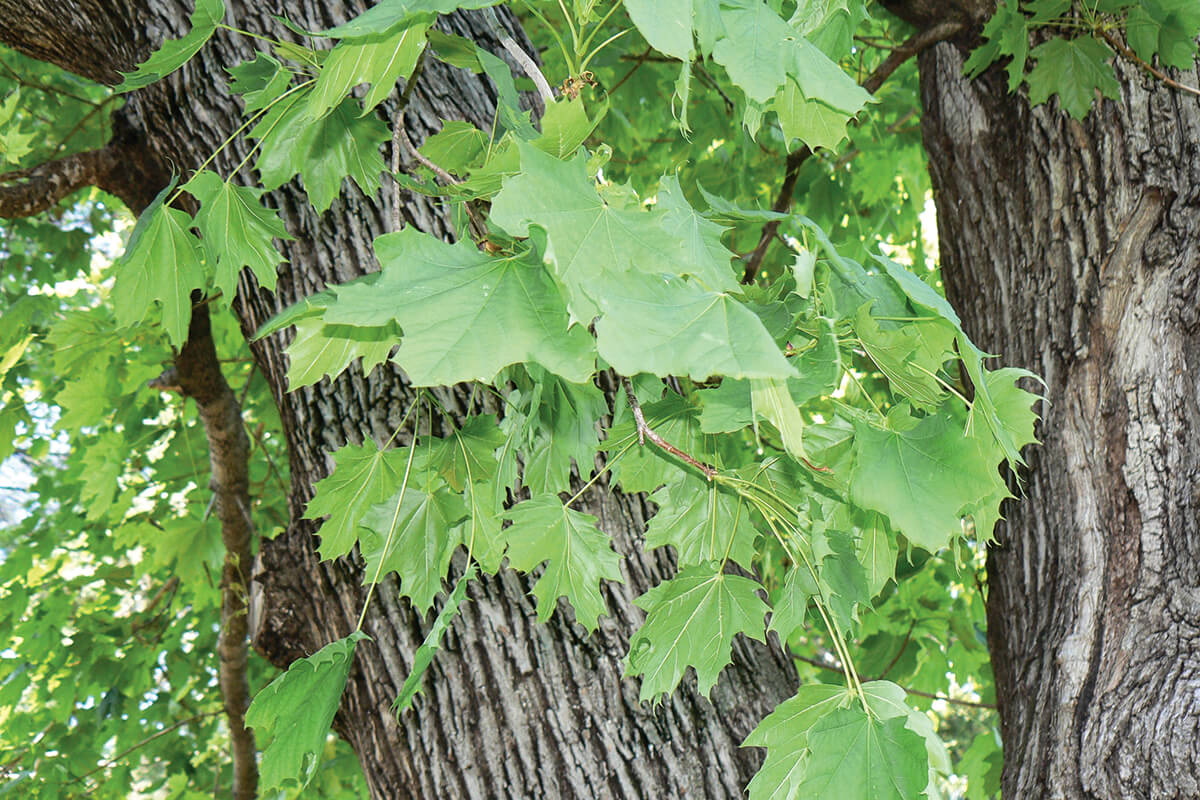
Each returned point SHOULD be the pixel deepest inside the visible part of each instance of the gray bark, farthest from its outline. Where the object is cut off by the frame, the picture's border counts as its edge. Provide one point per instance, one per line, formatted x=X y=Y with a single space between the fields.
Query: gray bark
x=1072 y=249
x=511 y=708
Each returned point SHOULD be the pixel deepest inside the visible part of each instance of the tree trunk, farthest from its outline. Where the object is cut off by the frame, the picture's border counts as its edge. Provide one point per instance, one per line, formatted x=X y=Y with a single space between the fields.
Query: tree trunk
x=511 y=708
x=1072 y=249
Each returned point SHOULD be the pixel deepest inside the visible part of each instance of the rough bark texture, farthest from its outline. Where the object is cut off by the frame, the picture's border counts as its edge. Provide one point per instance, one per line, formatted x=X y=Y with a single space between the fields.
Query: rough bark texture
x=1073 y=249
x=511 y=708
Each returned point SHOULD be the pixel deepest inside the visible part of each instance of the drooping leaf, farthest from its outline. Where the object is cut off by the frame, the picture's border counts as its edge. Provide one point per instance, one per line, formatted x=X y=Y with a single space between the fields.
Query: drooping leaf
x=665 y=24
x=175 y=52
x=378 y=60
x=577 y=556
x=464 y=314
x=691 y=620
x=667 y=326
x=433 y=642
x=702 y=523
x=363 y=476
x=855 y=756
x=321 y=350
x=466 y=455
x=923 y=476
x=387 y=15
x=162 y=262
x=297 y=708
x=238 y=231
x=323 y=152
x=413 y=534
x=784 y=732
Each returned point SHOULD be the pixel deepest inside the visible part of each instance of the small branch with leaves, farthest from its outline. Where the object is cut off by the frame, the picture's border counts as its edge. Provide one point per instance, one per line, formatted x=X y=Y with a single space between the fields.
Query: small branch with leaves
x=646 y=432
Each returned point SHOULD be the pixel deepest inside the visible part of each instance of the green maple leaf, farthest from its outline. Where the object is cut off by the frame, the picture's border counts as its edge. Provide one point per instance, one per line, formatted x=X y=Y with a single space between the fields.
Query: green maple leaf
x=900 y=355
x=727 y=407
x=175 y=52
x=363 y=476
x=843 y=580
x=323 y=151
x=691 y=620
x=1165 y=28
x=923 y=476
x=811 y=121
x=578 y=556
x=877 y=552
x=297 y=708
x=667 y=326
x=413 y=533
x=1074 y=69
x=238 y=232
x=162 y=262
x=566 y=416
x=319 y=350
x=259 y=82
x=702 y=523
x=465 y=315
x=588 y=236
x=772 y=401
x=791 y=604
x=457 y=147
x=923 y=296
x=379 y=61
x=388 y=15
x=701 y=237
x=754 y=50
x=784 y=732
x=853 y=756
x=887 y=701
x=665 y=24
x=466 y=456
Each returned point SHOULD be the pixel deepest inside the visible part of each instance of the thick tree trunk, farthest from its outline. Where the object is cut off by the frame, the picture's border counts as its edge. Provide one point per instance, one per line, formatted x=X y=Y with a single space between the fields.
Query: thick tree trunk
x=1073 y=249
x=511 y=708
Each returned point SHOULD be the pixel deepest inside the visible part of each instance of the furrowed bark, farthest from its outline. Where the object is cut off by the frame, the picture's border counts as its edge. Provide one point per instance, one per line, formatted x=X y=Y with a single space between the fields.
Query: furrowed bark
x=510 y=708
x=1072 y=248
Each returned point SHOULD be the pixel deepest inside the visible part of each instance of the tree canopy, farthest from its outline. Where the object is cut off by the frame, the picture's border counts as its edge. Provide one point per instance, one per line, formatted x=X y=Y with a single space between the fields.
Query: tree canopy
x=693 y=257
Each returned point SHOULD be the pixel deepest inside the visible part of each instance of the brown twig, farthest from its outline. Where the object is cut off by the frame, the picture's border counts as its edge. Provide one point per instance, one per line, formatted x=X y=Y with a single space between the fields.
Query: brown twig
x=795 y=159
x=641 y=59
x=397 y=130
x=477 y=223
x=111 y=761
x=646 y=432
x=1124 y=50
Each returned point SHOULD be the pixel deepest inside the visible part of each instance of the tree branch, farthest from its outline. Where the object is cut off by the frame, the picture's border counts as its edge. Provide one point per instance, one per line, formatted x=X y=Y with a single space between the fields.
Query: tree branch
x=199 y=376
x=783 y=201
x=26 y=192
x=646 y=432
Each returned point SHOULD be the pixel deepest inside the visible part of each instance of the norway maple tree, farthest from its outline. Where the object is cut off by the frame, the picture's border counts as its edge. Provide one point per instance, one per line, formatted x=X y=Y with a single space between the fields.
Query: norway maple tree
x=608 y=433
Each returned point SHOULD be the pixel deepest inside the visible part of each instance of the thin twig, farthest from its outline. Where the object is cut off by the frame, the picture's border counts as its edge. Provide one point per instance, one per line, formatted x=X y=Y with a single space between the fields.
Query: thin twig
x=477 y=222
x=112 y=761
x=645 y=432
x=397 y=127
x=522 y=58
x=641 y=59
x=783 y=201
x=1124 y=50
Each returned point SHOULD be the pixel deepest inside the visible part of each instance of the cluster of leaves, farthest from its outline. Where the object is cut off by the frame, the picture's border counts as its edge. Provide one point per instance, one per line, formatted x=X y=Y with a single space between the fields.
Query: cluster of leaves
x=1076 y=63
x=832 y=428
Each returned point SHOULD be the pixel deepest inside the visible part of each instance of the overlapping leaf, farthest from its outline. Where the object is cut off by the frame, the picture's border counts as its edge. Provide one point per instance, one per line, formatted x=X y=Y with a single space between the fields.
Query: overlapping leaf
x=576 y=554
x=691 y=620
x=363 y=476
x=464 y=314
x=238 y=231
x=379 y=61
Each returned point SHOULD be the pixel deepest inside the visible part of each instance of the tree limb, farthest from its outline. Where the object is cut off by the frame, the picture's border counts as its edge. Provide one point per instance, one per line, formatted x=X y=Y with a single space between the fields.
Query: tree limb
x=199 y=376
x=795 y=159
x=26 y=192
